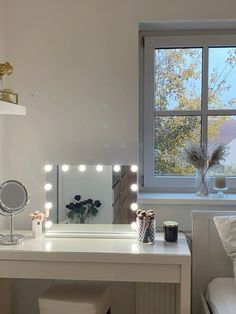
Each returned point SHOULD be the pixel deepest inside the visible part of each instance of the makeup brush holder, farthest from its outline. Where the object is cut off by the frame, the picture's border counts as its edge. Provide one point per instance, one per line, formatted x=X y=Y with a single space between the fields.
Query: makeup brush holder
x=146 y=229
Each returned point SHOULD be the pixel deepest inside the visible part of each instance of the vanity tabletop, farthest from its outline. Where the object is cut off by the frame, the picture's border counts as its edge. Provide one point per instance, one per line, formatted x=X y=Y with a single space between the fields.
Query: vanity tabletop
x=97 y=250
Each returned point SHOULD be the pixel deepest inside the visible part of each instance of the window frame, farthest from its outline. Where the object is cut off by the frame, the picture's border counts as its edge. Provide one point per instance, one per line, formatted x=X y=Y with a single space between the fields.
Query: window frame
x=148 y=44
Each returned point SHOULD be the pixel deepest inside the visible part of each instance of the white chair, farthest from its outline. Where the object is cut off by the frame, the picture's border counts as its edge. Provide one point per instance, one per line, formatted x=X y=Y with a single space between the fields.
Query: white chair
x=75 y=298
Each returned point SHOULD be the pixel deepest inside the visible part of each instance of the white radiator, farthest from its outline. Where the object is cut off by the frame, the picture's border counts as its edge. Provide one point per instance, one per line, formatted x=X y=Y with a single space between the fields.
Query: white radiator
x=156 y=298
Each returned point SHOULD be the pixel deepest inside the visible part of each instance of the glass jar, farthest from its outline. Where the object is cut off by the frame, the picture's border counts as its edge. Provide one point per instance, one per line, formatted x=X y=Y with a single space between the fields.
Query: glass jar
x=170 y=231
x=220 y=183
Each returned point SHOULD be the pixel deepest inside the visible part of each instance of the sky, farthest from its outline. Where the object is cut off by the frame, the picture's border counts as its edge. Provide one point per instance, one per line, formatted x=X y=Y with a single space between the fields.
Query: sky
x=216 y=60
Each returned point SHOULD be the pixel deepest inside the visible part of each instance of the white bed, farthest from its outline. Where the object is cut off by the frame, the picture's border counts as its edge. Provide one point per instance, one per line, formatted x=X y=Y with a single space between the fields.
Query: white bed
x=209 y=261
x=221 y=296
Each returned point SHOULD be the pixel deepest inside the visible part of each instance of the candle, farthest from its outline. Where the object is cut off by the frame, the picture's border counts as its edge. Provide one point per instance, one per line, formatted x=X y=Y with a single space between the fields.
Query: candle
x=170 y=231
x=220 y=181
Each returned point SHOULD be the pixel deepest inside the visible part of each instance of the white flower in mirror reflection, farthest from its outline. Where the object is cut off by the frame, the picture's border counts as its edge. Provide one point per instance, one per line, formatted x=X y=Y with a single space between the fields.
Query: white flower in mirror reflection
x=134 y=168
x=48 y=186
x=134 y=206
x=48 y=168
x=82 y=168
x=99 y=168
x=117 y=168
x=134 y=187
x=65 y=168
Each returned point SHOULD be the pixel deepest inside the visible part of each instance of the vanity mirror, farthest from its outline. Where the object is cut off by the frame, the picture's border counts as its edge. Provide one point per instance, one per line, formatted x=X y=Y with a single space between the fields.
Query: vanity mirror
x=13 y=199
x=90 y=195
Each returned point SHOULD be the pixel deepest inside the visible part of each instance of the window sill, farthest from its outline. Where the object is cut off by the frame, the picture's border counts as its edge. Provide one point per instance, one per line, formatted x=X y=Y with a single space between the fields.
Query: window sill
x=184 y=199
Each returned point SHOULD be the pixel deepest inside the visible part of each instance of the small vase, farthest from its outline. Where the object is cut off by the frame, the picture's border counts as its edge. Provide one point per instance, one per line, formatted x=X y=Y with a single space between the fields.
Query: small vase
x=37 y=228
x=202 y=183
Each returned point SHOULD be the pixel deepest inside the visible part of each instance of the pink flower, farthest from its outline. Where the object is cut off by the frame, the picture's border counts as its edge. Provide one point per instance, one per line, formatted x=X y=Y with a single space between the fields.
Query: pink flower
x=37 y=215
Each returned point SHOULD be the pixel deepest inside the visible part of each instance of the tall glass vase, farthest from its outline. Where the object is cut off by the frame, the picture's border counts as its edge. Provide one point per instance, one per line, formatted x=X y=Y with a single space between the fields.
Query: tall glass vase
x=202 y=183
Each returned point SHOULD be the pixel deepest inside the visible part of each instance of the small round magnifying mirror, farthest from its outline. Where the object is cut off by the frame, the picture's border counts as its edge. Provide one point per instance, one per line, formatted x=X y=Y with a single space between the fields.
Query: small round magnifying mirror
x=13 y=199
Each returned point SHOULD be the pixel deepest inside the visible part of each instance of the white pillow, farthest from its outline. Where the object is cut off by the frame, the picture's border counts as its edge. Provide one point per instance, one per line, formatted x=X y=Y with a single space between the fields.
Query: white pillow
x=226 y=227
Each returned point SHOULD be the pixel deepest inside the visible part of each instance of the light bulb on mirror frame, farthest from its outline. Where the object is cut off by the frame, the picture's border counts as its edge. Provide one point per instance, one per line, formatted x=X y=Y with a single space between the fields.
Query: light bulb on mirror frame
x=134 y=206
x=48 y=224
x=48 y=246
x=117 y=168
x=48 y=205
x=134 y=225
x=134 y=187
x=48 y=168
x=134 y=168
x=134 y=247
x=65 y=168
x=99 y=168
x=82 y=168
x=48 y=187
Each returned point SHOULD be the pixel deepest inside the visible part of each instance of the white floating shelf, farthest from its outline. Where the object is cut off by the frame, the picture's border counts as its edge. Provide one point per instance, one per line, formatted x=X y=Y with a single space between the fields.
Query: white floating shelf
x=12 y=109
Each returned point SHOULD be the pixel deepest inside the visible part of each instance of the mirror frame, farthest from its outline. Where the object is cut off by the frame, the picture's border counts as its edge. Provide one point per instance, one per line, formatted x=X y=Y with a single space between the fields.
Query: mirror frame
x=84 y=230
x=12 y=238
x=5 y=208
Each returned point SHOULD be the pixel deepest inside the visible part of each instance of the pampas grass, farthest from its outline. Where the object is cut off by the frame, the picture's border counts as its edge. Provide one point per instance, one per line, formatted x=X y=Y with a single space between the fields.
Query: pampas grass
x=196 y=156
x=219 y=153
x=193 y=155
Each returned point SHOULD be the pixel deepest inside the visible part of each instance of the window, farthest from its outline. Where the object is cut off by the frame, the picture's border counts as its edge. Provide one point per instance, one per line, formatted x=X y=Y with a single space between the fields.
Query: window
x=189 y=93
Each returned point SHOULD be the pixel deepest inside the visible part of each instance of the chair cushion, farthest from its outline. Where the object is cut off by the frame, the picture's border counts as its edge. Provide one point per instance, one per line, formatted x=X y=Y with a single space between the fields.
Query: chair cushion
x=75 y=298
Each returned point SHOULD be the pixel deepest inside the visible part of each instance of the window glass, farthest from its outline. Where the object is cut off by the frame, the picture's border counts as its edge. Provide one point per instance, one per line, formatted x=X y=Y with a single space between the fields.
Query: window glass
x=222 y=78
x=171 y=134
x=177 y=79
x=222 y=129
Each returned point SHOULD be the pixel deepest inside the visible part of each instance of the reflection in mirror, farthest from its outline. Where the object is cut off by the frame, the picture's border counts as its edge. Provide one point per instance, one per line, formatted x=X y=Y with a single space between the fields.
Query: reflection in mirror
x=13 y=196
x=94 y=194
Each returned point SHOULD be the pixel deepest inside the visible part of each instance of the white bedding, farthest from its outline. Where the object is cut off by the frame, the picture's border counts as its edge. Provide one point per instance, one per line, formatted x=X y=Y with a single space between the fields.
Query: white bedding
x=221 y=296
x=226 y=227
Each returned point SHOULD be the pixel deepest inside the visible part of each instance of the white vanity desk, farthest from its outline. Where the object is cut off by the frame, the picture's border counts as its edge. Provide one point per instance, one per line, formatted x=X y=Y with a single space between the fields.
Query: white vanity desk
x=100 y=259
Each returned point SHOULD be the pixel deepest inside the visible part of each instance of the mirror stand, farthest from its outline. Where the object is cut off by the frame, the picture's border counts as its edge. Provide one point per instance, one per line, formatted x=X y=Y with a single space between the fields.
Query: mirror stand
x=11 y=239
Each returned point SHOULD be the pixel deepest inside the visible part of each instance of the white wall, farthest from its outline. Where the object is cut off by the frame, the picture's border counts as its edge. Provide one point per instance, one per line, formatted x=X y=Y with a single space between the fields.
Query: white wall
x=76 y=69
x=3 y=220
x=1 y=60
x=181 y=213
